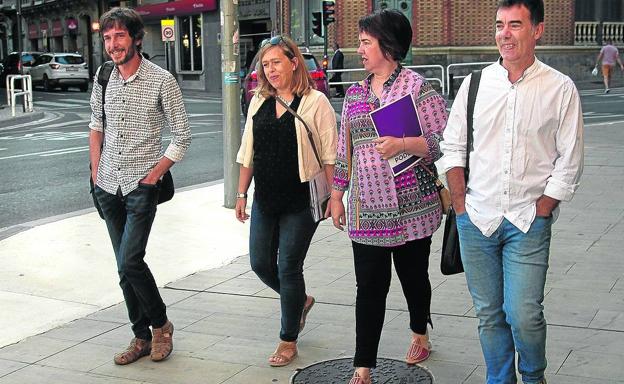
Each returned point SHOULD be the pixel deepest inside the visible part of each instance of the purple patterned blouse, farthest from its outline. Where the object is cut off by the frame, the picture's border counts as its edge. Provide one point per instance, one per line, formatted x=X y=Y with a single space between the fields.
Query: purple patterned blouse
x=384 y=210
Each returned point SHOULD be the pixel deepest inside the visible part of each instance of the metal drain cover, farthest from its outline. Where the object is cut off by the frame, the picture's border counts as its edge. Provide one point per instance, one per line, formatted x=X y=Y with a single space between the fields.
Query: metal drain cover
x=340 y=371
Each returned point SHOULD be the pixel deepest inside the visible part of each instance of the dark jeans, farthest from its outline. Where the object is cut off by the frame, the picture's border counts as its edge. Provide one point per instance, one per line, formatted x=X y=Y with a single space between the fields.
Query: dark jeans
x=373 y=274
x=277 y=248
x=129 y=220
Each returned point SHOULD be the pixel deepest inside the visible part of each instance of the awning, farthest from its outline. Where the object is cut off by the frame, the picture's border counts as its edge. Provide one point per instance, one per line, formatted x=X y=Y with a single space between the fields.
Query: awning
x=176 y=8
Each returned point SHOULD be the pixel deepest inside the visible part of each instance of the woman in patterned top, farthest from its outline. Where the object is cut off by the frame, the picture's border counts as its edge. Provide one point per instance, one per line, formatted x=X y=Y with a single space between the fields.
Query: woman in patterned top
x=276 y=152
x=390 y=217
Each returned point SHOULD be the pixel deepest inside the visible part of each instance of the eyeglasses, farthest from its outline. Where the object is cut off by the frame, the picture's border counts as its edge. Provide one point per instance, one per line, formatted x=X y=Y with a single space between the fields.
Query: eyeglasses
x=275 y=40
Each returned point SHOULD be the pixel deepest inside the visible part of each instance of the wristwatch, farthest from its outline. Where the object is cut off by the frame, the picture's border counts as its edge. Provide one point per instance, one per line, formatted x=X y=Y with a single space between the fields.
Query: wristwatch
x=241 y=195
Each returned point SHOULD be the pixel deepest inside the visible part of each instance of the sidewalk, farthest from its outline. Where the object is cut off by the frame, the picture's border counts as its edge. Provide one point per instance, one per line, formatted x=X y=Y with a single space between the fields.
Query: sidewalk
x=227 y=321
x=7 y=119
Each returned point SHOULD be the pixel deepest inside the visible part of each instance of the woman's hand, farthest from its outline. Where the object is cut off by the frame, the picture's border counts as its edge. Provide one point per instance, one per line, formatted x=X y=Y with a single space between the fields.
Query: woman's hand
x=389 y=146
x=337 y=210
x=241 y=215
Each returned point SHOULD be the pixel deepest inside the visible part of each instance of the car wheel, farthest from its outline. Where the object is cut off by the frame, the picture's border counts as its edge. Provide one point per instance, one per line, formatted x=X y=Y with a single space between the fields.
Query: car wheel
x=46 y=84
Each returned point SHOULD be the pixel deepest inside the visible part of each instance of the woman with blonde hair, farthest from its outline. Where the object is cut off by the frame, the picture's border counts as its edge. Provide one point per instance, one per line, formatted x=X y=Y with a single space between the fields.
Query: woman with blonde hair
x=278 y=154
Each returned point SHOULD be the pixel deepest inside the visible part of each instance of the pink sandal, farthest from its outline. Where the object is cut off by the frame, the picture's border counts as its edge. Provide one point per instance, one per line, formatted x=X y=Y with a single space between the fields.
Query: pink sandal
x=357 y=379
x=417 y=352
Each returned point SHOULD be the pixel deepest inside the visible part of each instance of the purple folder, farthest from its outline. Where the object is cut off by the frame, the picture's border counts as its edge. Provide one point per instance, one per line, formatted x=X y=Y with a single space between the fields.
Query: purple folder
x=398 y=119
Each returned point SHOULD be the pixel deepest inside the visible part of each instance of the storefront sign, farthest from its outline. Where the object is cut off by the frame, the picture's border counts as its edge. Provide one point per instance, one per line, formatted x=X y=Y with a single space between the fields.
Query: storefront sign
x=33 y=32
x=72 y=24
x=57 y=28
x=176 y=8
x=254 y=9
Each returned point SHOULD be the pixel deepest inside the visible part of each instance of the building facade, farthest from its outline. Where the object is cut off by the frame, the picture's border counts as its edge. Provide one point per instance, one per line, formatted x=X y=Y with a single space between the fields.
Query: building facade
x=444 y=31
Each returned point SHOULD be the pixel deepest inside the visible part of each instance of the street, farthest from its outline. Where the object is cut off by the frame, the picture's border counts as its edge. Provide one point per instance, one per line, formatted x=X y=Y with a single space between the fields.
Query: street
x=45 y=164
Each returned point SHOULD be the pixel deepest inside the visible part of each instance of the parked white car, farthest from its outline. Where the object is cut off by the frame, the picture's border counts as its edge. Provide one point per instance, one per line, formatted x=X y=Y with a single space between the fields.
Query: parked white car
x=63 y=70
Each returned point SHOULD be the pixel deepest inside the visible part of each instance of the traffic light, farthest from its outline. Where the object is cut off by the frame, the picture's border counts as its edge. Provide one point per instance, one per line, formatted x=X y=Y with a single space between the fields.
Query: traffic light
x=328 y=11
x=317 y=26
x=325 y=63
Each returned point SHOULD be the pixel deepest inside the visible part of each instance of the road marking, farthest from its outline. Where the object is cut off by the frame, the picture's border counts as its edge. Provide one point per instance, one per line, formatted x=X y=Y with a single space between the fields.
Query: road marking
x=66 y=105
x=59 y=151
x=66 y=152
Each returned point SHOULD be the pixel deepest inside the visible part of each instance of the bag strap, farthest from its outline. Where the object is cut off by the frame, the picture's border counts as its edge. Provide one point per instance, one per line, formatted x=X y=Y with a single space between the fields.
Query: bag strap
x=472 y=97
x=103 y=75
x=289 y=109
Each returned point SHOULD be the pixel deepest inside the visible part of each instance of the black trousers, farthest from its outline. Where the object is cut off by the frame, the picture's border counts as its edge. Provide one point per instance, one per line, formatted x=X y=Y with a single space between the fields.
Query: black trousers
x=373 y=274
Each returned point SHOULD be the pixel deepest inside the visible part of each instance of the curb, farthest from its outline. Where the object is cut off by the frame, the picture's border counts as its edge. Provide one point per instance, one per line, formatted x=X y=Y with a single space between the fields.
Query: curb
x=20 y=118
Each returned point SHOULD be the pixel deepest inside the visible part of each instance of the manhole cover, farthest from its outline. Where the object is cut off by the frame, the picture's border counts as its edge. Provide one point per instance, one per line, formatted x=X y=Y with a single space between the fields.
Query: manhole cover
x=340 y=371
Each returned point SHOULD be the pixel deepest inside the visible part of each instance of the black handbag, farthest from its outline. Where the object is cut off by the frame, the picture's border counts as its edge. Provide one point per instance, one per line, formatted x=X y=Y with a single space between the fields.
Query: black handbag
x=450 y=261
x=167 y=189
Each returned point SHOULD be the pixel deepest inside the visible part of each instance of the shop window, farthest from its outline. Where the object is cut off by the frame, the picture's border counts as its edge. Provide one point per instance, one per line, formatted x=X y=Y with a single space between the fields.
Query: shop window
x=190 y=43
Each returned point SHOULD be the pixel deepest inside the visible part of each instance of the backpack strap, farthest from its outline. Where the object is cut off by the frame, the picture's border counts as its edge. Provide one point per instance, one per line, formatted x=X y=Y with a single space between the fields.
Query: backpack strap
x=103 y=75
x=472 y=97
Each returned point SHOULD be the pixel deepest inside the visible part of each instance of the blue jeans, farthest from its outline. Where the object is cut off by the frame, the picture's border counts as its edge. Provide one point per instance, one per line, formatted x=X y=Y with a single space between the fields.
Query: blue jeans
x=129 y=221
x=506 y=273
x=278 y=245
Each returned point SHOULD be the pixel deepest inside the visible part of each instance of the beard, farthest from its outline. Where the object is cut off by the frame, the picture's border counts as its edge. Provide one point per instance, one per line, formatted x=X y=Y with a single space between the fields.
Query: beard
x=129 y=55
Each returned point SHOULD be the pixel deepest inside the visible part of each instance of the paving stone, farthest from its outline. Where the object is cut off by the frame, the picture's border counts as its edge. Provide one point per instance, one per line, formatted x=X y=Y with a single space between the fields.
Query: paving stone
x=210 y=303
x=34 y=348
x=239 y=286
x=256 y=328
x=35 y=374
x=8 y=366
x=261 y=375
x=83 y=357
x=82 y=329
x=593 y=365
x=178 y=368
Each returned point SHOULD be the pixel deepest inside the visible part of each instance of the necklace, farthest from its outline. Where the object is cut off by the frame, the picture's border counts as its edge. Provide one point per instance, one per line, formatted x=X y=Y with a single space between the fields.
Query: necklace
x=285 y=101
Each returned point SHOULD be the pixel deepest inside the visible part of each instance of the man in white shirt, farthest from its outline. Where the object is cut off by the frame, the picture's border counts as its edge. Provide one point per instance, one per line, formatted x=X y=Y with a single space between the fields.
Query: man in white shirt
x=527 y=156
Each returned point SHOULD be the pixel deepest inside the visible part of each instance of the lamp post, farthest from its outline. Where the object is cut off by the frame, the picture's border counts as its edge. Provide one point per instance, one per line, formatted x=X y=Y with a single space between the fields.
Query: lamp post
x=19 y=36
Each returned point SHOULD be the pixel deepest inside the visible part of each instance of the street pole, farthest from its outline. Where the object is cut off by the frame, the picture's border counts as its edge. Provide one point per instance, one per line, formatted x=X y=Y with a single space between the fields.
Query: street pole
x=19 y=36
x=231 y=96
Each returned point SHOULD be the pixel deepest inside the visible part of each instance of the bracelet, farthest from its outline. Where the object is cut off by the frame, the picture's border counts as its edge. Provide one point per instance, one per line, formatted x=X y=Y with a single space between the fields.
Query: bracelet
x=241 y=195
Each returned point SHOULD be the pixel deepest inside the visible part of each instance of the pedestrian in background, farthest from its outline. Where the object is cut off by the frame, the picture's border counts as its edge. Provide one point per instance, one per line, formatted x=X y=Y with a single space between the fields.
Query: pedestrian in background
x=337 y=63
x=609 y=56
x=527 y=157
x=276 y=153
x=391 y=218
x=128 y=161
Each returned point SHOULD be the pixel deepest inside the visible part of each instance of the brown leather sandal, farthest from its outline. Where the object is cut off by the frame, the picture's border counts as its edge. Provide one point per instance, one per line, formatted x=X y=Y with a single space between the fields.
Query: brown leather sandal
x=162 y=342
x=281 y=357
x=137 y=349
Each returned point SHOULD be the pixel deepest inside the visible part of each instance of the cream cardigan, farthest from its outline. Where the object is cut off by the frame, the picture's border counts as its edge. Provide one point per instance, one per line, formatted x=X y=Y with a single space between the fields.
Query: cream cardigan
x=318 y=113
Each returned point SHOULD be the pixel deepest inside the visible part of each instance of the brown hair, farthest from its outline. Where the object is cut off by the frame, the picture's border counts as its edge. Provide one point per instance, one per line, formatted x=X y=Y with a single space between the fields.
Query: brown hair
x=124 y=18
x=301 y=83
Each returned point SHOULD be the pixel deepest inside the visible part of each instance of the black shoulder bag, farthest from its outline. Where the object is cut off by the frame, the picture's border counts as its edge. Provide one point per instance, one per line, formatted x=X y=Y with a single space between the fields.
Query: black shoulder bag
x=450 y=261
x=167 y=188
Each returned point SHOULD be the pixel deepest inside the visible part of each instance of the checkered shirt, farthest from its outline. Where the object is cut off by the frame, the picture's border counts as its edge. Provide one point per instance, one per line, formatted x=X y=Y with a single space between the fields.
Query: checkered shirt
x=137 y=111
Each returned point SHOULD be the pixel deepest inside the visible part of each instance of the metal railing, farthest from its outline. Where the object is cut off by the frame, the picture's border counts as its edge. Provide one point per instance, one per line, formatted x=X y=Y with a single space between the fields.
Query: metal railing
x=416 y=68
x=25 y=91
x=450 y=76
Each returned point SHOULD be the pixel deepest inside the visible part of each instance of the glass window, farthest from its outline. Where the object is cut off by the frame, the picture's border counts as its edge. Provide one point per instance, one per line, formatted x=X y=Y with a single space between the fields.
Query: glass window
x=69 y=59
x=190 y=43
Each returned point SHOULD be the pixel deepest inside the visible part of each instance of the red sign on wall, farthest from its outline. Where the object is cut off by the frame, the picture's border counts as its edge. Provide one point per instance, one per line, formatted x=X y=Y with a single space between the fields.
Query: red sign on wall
x=57 y=28
x=33 y=32
x=176 y=8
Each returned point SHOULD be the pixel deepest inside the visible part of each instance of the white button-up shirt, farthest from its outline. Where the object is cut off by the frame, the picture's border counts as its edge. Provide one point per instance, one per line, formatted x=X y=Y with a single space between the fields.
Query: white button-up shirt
x=528 y=142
